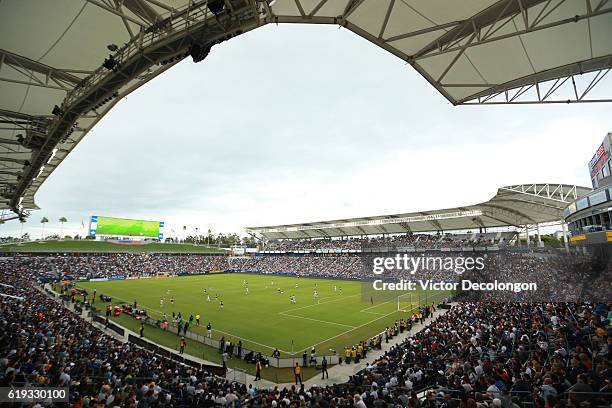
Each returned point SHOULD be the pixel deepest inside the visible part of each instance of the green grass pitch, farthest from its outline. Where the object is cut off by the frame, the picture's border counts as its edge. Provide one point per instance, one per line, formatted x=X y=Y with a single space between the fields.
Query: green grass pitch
x=264 y=318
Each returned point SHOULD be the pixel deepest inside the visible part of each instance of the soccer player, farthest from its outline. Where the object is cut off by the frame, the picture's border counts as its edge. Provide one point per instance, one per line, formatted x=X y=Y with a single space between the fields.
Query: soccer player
x=167 y=291
x=209 y=330
x=208 y=298
x=247 y=290
x=183 y=343
x=161 y=302
x=172 y=300
x=221 y=305
x=198 y=319
x=335 y=288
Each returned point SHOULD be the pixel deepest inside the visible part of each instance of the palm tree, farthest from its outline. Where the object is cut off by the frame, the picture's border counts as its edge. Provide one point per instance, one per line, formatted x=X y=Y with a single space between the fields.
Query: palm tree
x=43 y=221
x=62 y=220
x=22 y=221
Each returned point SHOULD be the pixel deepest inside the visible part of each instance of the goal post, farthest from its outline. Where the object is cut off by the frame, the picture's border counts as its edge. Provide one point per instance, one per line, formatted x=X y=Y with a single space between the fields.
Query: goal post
x=404 y=302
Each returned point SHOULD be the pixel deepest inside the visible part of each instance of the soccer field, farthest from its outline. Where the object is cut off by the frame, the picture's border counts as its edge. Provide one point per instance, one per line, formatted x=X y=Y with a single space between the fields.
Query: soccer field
x=264 y=318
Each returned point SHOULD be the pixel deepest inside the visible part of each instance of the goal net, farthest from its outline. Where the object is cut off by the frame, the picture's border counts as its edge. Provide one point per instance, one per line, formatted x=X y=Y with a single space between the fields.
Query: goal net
x=405 y=302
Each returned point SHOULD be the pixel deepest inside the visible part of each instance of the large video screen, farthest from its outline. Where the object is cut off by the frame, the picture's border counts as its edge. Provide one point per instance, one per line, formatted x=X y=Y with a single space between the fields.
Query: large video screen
x=125 y=227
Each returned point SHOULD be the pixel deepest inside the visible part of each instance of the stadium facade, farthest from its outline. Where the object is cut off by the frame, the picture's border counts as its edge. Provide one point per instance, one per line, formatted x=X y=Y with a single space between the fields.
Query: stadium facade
x=590 y=217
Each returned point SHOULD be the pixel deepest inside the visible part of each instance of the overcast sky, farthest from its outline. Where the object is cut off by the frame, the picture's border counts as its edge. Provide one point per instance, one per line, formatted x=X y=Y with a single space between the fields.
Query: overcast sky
x=295 y=123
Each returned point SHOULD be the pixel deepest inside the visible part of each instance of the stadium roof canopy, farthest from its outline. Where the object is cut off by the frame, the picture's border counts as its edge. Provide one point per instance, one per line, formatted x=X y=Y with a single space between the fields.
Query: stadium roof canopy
x=519 y=205
x=65 y=63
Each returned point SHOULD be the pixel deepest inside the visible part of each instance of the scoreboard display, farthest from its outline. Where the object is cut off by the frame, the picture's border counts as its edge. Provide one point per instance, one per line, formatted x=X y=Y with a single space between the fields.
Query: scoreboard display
x=123 y=227
x=600 y=165
x=599 y=160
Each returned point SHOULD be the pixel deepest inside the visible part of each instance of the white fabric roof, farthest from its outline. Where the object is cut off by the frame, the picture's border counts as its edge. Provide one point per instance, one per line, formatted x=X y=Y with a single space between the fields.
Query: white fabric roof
x=51 y=53
x=518 y=205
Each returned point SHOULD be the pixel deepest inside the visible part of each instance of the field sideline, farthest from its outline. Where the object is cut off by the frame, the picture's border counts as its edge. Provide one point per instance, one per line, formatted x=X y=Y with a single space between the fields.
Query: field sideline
x=264 y=318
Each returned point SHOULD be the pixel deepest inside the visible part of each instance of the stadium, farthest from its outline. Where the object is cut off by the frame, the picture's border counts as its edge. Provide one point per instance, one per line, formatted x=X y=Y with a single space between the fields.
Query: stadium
x=476 y=305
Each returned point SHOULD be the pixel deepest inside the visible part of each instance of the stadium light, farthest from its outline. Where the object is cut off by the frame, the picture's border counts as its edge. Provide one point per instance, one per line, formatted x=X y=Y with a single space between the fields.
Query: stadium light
x=199 y=52
x=110 y=63
x=216 y=6
x=57 y=111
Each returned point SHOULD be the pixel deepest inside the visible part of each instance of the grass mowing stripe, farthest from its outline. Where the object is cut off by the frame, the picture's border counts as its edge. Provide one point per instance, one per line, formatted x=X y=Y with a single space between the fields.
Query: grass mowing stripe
x=319 y=303
x=314 y=320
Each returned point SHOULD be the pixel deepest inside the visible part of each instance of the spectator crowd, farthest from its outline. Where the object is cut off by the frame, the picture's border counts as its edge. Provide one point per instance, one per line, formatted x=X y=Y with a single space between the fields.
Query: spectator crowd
x=392 y=242
x=480 y=354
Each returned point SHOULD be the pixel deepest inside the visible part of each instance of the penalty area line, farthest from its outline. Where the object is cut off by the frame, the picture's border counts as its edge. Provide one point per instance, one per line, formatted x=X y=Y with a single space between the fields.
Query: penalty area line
x=374 y=313
x=372 y=307
x=355 y=328
x=315 y=320
x=319 y=303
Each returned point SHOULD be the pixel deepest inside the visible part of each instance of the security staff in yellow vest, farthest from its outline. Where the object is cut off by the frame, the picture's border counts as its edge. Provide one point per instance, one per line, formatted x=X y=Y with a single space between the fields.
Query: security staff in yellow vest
x=297 y=370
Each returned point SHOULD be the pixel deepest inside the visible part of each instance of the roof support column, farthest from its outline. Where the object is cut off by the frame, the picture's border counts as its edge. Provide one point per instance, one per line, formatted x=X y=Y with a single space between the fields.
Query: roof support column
x=527 y=234
x=564 y=228
x=517 y=239
x=539 y=237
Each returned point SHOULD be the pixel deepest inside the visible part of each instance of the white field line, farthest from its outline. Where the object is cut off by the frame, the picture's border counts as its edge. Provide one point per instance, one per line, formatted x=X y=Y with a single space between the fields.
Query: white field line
x=314 y=320
x=357 y=327
x=372 y=307
x=374 y=313
x=284 y=313
x=215 y=330
x=318 y=304
x=365 y=324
